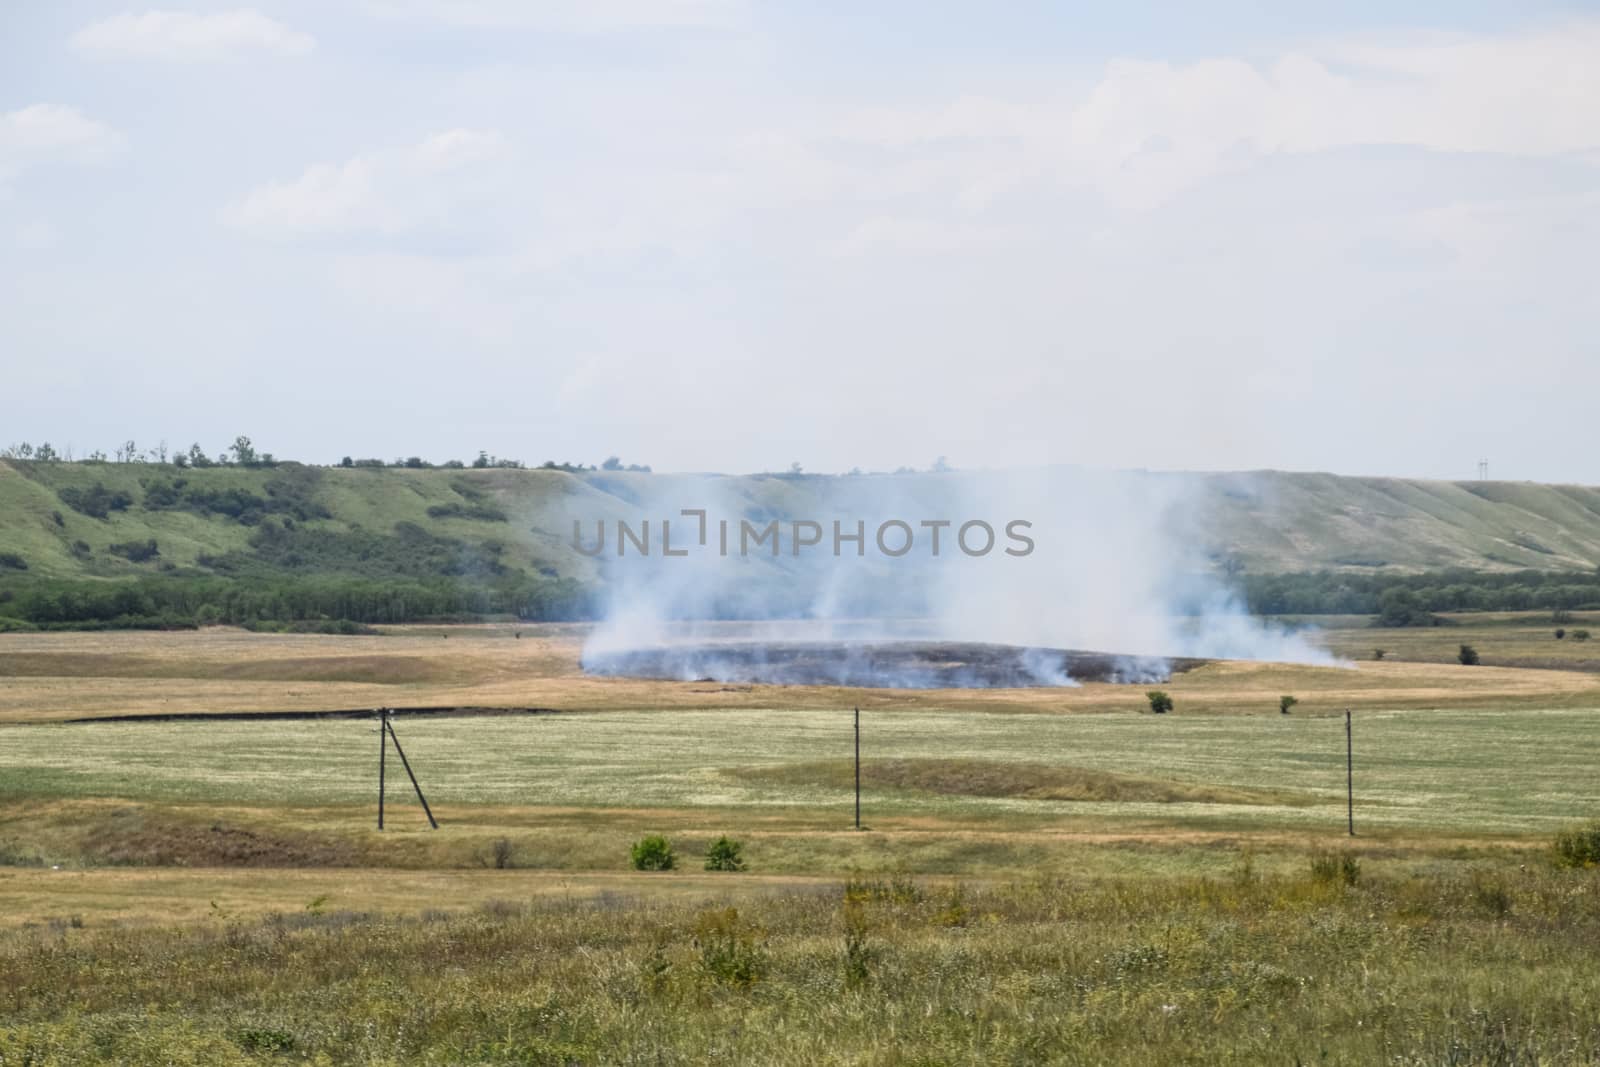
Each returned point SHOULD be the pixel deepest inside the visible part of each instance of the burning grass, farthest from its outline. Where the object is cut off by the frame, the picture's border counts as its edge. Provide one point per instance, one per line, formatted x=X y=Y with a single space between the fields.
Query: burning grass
x=882 y=665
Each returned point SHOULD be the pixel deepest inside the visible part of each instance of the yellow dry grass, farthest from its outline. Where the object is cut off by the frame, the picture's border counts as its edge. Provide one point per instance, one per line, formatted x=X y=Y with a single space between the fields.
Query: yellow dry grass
x=55 y=676
x=165 y=894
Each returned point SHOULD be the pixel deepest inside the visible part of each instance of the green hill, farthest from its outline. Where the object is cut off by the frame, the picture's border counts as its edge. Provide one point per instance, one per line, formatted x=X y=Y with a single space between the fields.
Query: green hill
x=1277 y=522
x=467 y=541
x=1270 y=521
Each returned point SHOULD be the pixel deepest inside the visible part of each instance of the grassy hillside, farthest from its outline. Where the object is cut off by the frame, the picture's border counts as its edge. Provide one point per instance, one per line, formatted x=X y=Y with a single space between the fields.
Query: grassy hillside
x=1275 y=522
x=308 y=546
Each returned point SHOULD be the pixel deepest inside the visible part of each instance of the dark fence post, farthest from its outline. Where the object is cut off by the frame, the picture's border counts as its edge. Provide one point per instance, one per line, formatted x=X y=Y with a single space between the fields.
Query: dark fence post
x=1349 y=774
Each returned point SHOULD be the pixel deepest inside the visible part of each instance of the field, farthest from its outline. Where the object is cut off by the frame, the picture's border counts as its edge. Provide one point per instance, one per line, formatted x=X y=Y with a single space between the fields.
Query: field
x=1043 y=875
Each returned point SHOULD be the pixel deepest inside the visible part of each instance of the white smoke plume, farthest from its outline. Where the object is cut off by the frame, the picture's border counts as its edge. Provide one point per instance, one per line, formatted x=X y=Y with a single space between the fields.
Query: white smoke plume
x=1116 y=567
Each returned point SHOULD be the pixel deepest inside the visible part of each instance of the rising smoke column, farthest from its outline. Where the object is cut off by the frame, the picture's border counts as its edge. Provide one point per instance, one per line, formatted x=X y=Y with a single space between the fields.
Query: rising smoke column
x=1117 y=566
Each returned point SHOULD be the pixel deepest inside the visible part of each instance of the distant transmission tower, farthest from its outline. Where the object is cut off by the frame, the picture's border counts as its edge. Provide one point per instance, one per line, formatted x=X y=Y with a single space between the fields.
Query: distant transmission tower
x=1483 y=470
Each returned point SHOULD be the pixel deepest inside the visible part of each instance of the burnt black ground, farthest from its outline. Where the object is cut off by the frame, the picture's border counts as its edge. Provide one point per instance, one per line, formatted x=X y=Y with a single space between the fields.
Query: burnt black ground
x=890 y=665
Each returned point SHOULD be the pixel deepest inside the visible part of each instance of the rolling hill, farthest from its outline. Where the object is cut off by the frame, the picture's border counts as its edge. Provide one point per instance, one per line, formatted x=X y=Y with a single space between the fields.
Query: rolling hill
x=93 y=520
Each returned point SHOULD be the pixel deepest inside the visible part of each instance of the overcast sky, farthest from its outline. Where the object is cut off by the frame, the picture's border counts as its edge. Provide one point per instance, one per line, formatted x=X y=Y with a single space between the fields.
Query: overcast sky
x=731 y=234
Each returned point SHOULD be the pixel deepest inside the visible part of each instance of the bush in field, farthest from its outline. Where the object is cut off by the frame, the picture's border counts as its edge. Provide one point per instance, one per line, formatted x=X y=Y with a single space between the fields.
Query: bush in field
x=653 y=853
x=1560 y=633
x=725 y=854
x=1286 y=702
x=1468 y=656
x=858 y=951
x=1580 y=635
x=1377 y=653
x=1160 y=702
x=135 y=551
x=1579 y=848
x=731 y=950
x=1490 y=894
x=1331 y=867
x=97 y=502
x=12 y=561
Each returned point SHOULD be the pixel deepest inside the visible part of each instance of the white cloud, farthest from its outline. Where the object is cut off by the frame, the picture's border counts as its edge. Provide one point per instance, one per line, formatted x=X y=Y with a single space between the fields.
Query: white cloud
x=51 y=133
x=188 y=35
x=925 y=236
x=36 y=235
x=1149 y=129
x=568 y=16
x=423 y=188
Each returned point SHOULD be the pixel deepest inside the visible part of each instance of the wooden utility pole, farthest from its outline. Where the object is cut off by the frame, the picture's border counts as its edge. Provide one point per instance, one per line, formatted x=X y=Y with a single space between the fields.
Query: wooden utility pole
x=385 y=735
x=383 y=752
x=1349 y=774
x=858 y=768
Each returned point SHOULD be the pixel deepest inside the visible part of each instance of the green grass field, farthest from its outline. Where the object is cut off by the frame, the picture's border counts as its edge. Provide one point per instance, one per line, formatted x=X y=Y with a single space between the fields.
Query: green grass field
x=1481 y=771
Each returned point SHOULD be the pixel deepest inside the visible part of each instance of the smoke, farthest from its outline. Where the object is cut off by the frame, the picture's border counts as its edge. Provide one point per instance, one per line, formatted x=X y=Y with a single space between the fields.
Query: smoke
x=1117 y=565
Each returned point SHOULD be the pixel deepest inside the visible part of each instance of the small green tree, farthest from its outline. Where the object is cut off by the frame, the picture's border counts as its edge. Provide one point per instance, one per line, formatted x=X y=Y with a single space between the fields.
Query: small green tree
x=1378 y=653
x=725 y=854
x=1286 y=702
x=653 y=853
x=1560 y=633
x=1160 y=702
x=1580 y=635
x=1468 y=656
x=1579 y=847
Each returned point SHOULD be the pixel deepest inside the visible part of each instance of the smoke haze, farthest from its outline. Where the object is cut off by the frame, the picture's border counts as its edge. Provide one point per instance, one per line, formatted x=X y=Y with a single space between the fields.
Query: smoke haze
x=1115 y=567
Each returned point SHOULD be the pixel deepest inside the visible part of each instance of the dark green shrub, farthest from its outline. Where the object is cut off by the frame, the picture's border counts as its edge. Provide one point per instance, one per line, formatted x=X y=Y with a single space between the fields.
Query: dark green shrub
x=264 y=1039
x=1330 y=867
x=1160 y=702
x=1491 y=894
x=1579 y=847
x=1468 y=656
x=1377 y=653
x=858 y=951
x=725 y=854
x=1286 y=702
x=457 y=510
x=135 y=551
x=1560 y=633
x=96 y=502
x=1580 y=635
x=730 y=948
x=12 y=561
x=653 y=853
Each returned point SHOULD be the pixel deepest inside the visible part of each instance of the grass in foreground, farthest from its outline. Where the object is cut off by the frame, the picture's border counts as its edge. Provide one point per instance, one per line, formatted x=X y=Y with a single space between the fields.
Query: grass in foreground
x=1330 y=963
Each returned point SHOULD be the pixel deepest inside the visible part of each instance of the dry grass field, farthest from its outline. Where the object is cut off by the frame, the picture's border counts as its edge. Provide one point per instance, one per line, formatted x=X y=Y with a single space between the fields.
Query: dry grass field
x=55 y=676
x=1047 y=875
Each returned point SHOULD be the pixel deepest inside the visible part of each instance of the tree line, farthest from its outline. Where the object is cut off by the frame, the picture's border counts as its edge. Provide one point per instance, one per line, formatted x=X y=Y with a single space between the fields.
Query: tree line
x=181 y=602
x=1412 y=599
x=243 y=453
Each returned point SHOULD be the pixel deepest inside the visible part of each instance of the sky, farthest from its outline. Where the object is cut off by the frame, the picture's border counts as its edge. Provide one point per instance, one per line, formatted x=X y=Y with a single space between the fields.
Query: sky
x=731 y=235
